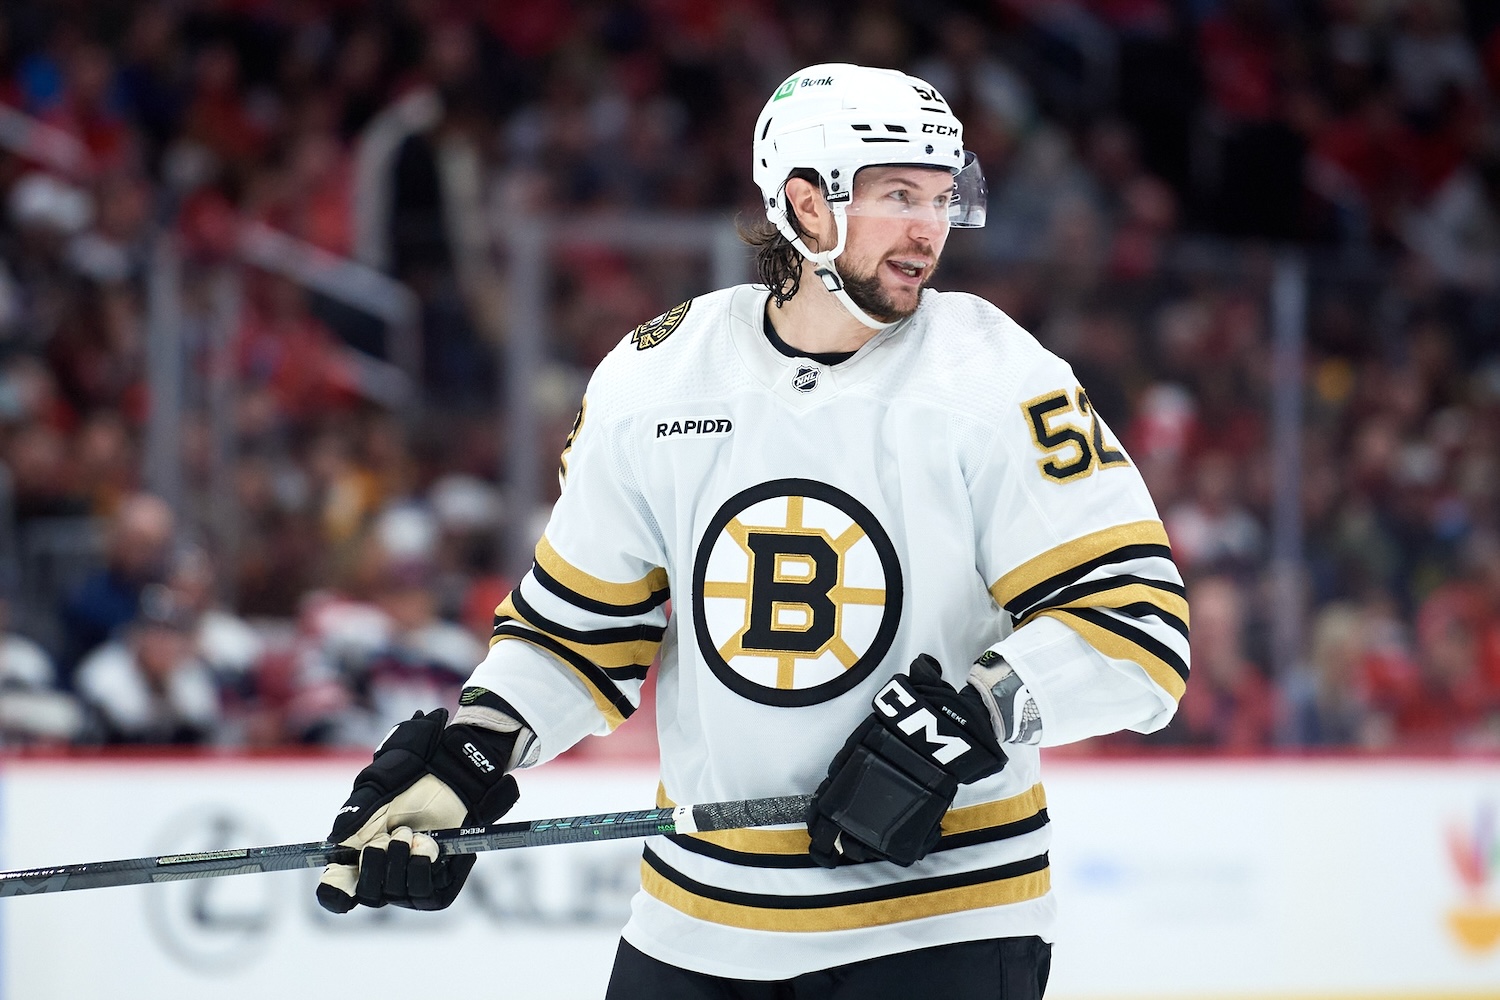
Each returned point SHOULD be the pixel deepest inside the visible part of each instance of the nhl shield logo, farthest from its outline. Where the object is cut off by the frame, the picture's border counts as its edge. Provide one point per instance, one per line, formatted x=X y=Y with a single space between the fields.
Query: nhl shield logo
x=651 y=333
x=806 y=378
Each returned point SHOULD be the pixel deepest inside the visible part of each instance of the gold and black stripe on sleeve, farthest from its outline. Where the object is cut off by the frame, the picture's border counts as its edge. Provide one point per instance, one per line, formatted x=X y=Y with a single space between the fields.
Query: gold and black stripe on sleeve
x=589 y=593
x=624 y=652
x=837 y=911
x=1111 y=613
x=963 y=826
x=600 y=657
x=609 y=699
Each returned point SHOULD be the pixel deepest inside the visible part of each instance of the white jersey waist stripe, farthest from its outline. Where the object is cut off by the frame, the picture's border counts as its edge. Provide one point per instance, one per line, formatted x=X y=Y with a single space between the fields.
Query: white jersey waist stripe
x=868 y=907
x=788 y=848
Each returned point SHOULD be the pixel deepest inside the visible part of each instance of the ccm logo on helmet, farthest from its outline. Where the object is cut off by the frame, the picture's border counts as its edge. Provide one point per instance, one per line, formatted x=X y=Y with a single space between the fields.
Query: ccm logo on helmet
x=701 y=425
x=893 y=700
x=934 y=128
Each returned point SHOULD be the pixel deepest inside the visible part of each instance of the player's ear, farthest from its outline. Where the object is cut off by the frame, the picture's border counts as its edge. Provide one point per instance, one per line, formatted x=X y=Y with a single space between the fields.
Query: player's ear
x=814 y=218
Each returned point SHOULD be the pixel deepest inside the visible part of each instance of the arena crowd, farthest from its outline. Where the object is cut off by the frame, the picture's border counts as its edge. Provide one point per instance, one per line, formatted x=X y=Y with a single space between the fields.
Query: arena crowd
x=1148 y=160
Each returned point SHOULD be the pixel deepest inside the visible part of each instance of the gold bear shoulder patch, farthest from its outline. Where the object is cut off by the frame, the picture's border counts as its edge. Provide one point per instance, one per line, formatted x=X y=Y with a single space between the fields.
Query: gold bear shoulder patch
x=654 y=332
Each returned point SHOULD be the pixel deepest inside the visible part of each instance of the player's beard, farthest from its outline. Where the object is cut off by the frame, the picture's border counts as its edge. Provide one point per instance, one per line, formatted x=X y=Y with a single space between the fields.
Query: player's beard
x=866 y=291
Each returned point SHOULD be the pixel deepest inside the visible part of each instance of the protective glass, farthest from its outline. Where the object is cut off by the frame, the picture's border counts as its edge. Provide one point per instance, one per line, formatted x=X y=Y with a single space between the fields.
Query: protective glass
x=962 y=205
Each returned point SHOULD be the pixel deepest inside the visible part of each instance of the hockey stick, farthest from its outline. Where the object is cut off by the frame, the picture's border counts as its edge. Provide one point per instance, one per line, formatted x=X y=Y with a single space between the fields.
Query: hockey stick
x=703 y=818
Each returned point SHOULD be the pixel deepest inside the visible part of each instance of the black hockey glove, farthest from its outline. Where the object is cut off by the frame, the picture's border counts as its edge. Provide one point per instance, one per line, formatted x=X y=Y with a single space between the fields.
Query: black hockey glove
x=888 y=788
x=424 y=777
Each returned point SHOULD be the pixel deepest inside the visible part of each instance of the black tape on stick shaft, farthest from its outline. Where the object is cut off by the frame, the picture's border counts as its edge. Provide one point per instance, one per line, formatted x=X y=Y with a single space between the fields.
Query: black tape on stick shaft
x=778 y=811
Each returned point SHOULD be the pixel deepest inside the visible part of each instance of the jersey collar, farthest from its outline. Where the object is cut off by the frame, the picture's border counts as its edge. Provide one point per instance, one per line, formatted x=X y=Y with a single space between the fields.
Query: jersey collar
x=776 y=371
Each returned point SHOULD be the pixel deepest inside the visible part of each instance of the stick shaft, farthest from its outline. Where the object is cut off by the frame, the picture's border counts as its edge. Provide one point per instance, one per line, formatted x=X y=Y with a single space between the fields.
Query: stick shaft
x=702 y=818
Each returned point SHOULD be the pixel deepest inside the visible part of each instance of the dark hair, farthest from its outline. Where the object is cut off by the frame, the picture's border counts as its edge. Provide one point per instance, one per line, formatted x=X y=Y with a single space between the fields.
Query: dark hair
x=778 y=264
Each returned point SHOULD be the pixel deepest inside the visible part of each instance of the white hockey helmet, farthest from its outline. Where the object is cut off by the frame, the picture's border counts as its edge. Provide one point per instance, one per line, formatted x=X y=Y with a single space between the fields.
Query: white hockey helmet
x=836 y=118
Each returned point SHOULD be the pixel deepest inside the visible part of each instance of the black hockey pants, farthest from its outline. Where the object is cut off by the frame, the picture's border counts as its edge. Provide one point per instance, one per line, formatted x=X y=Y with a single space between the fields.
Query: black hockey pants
x=998 y=969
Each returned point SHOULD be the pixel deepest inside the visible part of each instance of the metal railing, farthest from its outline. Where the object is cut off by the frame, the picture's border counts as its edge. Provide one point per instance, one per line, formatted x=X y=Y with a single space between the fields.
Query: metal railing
x=396 y=384
x=395 y=381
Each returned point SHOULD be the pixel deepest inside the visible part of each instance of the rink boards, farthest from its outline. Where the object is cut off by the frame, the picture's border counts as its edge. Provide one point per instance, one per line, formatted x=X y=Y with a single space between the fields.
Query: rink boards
x=1180 y=879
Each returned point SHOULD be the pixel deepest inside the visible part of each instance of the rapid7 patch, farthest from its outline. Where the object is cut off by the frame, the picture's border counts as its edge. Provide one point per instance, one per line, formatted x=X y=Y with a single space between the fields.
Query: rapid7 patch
x=651 y=333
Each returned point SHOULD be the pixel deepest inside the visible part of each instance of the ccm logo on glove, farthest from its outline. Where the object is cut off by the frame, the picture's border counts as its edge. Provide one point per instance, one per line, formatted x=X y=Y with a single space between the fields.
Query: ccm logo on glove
x=478 y=759
x=427 y=775
x=895 y=698
x=896 y=775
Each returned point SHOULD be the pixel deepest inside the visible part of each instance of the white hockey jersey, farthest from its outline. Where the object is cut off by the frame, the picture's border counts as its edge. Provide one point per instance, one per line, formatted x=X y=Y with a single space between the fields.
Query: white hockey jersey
x=946 y=490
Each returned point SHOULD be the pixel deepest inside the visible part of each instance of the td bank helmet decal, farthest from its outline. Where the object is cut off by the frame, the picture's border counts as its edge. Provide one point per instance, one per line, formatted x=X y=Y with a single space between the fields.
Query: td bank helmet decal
x=796 y=593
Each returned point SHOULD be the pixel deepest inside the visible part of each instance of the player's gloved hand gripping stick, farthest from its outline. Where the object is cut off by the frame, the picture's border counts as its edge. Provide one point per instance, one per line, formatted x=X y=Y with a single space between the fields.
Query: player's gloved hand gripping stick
x=426 y=775
x=888 y=788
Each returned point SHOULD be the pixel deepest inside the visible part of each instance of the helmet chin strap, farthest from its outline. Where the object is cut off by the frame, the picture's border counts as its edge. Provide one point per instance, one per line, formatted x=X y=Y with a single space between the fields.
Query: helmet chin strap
x=823 y=265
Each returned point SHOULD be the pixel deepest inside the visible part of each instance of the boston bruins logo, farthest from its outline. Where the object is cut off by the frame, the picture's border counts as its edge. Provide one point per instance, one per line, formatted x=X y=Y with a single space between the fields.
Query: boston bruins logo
x=796 y=593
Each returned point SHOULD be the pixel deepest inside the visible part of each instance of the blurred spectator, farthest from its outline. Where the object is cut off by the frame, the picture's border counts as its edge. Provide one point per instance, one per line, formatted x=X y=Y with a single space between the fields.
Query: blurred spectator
x=116 y=249
x=32 y=708
x=225 y=118
x=423 y=662
x=46 y=213
x=151 y=81
x=1431 y=58
x=85 y=107
x=41 y=475
x=98 y=352
x=1129 y=147
x=1229 y=703
x=302 y=685
x=975 y=81
x=222 y=640
x=1328 y=703
x=1455 y=700
x=1148 y=219
x=149 y=686
x=138 y=542
x=106 y=465
x=1211 y=529
x=1258 y=156
x=288 y=353
x=369 y=654
x=1359 y=663
x=419 y=179
x=469 y=515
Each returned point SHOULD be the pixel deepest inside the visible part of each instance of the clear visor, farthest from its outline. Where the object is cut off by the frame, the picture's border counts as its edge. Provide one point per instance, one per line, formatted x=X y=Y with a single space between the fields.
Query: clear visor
x=901 y=191
x=970 y=195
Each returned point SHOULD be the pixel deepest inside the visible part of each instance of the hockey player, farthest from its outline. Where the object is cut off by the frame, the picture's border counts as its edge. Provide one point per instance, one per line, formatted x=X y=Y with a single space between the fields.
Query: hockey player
x=904 y=553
